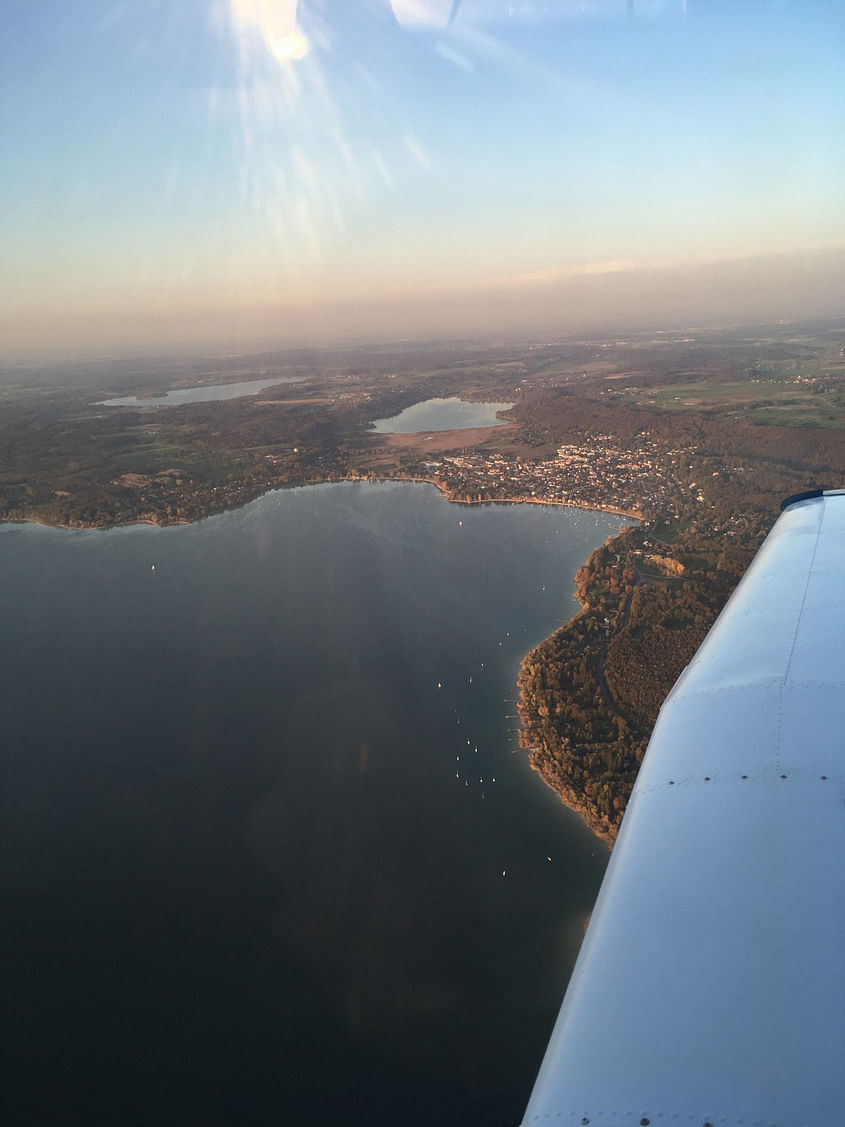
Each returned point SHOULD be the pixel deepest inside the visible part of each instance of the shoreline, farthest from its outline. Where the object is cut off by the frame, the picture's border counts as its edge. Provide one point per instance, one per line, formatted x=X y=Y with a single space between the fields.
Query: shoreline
x=592 y=508
x=566 y=794
x=570 y=800
x=596 y=507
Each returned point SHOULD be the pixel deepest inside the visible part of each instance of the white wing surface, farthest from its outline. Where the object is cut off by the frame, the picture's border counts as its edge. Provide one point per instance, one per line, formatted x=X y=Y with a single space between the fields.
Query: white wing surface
x=710 y=988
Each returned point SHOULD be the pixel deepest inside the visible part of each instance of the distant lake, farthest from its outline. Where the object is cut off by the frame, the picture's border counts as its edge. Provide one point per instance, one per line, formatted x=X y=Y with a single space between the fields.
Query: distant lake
x=442 y=414
x=267 y=856
x=208 y=394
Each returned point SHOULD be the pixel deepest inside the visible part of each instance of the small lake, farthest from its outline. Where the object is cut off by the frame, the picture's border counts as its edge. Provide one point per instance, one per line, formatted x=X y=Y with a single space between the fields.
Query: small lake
x=442 y=414
x=211 y=393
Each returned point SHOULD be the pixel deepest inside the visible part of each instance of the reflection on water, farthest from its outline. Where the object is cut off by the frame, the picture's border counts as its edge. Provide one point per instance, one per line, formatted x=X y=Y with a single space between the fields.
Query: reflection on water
x=208 y=394
x=268 y=855
x=442 y=414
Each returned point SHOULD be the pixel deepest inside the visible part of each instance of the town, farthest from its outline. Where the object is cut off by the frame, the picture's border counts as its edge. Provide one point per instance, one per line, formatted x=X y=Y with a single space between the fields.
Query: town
x=636 y=479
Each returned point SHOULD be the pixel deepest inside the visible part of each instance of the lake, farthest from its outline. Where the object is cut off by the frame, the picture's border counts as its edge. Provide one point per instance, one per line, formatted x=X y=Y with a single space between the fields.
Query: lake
x=442 y=414
x=267 y=853
x=210 y=393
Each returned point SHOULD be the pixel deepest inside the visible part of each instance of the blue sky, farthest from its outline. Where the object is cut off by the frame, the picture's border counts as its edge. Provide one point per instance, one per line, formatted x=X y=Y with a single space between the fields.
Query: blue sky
x=262 y=169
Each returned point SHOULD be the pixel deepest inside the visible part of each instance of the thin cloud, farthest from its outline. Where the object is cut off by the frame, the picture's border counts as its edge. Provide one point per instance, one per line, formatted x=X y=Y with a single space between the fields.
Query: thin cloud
x=553 y=275
x=549 y=275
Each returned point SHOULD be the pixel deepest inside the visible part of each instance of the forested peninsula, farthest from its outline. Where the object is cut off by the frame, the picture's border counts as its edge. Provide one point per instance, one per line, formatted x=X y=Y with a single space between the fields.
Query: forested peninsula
x=589 y=695
x=699 y=434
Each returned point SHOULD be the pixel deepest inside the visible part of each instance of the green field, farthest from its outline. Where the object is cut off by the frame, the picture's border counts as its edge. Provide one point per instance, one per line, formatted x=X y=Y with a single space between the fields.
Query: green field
x=770 y=402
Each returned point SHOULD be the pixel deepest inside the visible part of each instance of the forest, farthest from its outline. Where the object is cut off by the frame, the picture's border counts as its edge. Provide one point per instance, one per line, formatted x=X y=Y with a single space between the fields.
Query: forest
x=590 y=694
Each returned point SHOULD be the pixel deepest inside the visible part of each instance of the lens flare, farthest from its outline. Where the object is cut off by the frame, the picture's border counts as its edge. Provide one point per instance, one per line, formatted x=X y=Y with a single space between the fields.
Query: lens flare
x=291 y=47
x=274 y=21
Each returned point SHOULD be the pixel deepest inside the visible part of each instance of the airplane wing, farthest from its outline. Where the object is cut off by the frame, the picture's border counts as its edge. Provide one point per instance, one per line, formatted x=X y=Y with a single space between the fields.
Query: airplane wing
x=710 y=988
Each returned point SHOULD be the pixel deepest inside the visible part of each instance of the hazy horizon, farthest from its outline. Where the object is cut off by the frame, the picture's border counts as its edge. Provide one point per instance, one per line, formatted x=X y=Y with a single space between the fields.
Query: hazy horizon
x=247 y=173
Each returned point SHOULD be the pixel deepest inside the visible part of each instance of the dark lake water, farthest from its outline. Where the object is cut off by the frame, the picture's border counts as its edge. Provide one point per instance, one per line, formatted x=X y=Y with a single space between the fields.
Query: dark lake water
x=442 y=414
x=255 y=865
x=210 y=393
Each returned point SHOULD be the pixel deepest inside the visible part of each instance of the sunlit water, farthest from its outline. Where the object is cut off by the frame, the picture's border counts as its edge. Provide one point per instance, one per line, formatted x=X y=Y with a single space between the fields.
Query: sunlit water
x=442 y=414
x=267 y=854
x=210 y=393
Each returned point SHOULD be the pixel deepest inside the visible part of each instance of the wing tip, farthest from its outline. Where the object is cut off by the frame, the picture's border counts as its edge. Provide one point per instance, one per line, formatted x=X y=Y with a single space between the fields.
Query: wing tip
x=807 y=495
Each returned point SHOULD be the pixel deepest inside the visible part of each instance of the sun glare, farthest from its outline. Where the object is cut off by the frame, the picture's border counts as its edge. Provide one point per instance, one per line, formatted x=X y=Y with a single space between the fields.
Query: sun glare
x=291 y=47
x=275 y=22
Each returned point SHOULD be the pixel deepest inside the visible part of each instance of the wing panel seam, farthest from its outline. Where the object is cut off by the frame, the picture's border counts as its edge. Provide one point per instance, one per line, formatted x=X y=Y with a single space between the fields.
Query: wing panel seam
x=782 y=687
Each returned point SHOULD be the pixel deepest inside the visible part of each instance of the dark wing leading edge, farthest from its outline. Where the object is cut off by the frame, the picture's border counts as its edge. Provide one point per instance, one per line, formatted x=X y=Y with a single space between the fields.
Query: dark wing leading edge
x=710 y=987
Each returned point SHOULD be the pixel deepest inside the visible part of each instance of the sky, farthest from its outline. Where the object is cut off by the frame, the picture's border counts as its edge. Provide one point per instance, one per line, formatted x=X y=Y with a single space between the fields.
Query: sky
x=233 y=171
